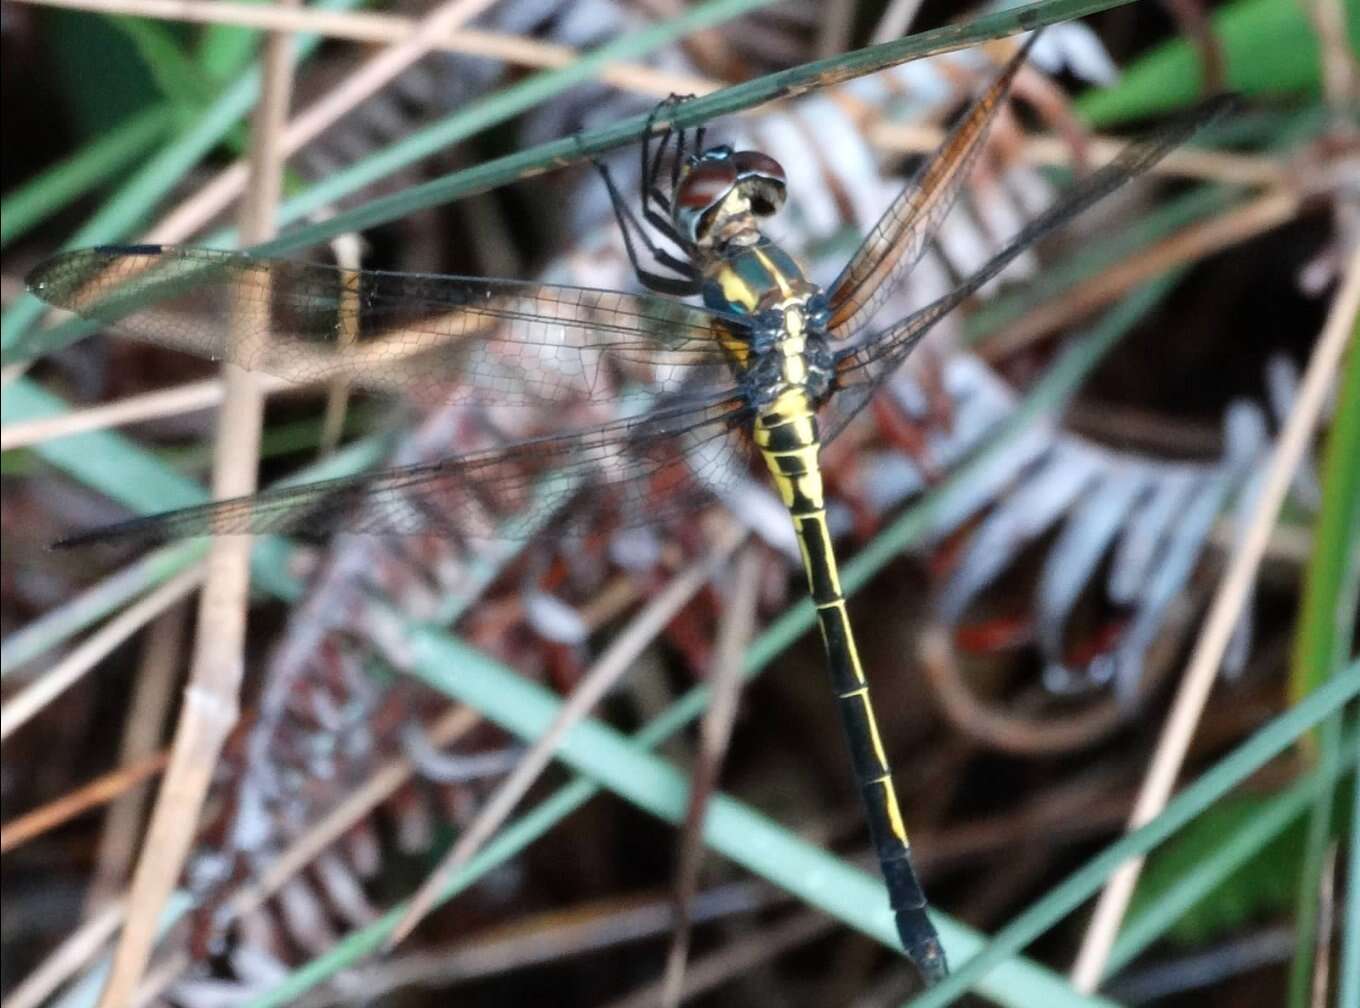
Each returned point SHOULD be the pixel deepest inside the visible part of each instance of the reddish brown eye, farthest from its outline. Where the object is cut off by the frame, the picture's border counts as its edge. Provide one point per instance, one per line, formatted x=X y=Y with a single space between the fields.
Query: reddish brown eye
x=705 y=185
x=749 y=163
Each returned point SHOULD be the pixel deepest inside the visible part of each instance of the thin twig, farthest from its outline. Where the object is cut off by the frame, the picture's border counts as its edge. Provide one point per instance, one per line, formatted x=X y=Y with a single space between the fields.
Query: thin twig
x=379 y=70
x=452 y=725
x=211 y=700
x=540 y=939
x=734 y=633
x=1187 y=245
x=1232 y=593
x=612 y=664
x=723 y=964
x=152 y=698
x=1186 y=162
x=1322 y=962
x=896 y=19
x=348 y=251
x=376 y=27
x=39 y=693
x=103 y=788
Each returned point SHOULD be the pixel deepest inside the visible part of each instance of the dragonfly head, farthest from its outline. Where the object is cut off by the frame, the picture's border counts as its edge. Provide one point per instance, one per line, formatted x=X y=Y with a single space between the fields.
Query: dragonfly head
x=721 y=187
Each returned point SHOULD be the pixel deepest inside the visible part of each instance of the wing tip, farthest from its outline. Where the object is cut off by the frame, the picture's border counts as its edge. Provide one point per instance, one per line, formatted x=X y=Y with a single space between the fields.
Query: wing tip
x=52 y=278
x=147 y=531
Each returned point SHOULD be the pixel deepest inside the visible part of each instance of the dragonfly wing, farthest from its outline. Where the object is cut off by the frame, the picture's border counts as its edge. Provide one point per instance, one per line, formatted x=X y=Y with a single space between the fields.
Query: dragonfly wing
x=632 y=471
x=435 y=337
x=896 y=242
x=862 y=369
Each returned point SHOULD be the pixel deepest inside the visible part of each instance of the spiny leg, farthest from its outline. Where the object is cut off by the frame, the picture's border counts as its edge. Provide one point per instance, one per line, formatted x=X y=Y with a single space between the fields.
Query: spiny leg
x=688 y=283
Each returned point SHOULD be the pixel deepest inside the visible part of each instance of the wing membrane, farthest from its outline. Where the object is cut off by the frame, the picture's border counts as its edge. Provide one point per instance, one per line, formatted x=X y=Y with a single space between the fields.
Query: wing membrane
x=638 y=469
x=862 y=369
x=435 y=337
x=895 y=244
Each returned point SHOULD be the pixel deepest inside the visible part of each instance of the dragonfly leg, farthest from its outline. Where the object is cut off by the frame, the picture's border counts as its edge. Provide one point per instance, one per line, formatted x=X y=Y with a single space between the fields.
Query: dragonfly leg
x=651 y=162
x=689 y=281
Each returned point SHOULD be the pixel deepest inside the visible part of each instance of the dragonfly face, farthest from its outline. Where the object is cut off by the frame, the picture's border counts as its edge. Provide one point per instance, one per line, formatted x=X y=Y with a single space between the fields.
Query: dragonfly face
x=721 y=193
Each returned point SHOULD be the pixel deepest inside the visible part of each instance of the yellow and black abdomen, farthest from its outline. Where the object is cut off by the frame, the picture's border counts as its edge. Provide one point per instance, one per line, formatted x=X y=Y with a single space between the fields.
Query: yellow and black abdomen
x=786 y=433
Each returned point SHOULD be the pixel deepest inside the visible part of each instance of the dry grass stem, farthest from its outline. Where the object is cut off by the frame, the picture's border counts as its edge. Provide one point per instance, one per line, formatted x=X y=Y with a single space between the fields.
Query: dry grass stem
x=211 y=699
x=542 y=938
x=611 y=665
x=152 y=698
x=81 y=946
x=895 y=20
x=52 y=683
x=375 y=27
x=181 y=399
x=1187 y=245
x=734 y=633
x=348 y=251
x=1232 y=593
x=1185 y=162
x=724 y=964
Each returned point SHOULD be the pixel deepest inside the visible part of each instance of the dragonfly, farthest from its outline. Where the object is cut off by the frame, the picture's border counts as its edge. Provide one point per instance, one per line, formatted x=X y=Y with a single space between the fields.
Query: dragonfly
x=769 y=364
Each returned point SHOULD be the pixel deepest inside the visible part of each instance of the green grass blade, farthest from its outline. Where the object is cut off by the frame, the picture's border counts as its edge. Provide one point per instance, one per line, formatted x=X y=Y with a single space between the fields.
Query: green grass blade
x=558 y=153
x=1246 y=759
x=223 y=50
x=176 y=75
x=1269 y=48
x=1348 y=983
x=1325 y=631
x=118 y=468
x=1326 y=625
x=93 y=165
x=1314 y=864
x=1202 y=876
x=104 y=460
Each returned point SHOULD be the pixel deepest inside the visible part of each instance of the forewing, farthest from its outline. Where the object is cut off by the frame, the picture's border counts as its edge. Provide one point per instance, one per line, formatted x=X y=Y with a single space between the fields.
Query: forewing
x=862 y=369
x=895 y=244
x=631 y=471
x=436 y=337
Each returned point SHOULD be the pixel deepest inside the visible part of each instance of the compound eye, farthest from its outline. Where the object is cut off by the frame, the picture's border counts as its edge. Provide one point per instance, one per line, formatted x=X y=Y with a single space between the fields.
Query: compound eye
x=764 y=181
x=702 y=189
x=752 y=162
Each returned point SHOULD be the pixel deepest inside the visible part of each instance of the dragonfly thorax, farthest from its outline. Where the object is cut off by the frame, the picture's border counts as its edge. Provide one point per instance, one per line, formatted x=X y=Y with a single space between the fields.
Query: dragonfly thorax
x=788 y=350
x=722 y=195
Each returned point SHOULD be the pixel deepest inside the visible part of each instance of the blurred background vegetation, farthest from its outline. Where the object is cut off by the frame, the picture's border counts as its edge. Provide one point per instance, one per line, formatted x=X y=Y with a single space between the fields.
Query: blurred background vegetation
x=1023 y=686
